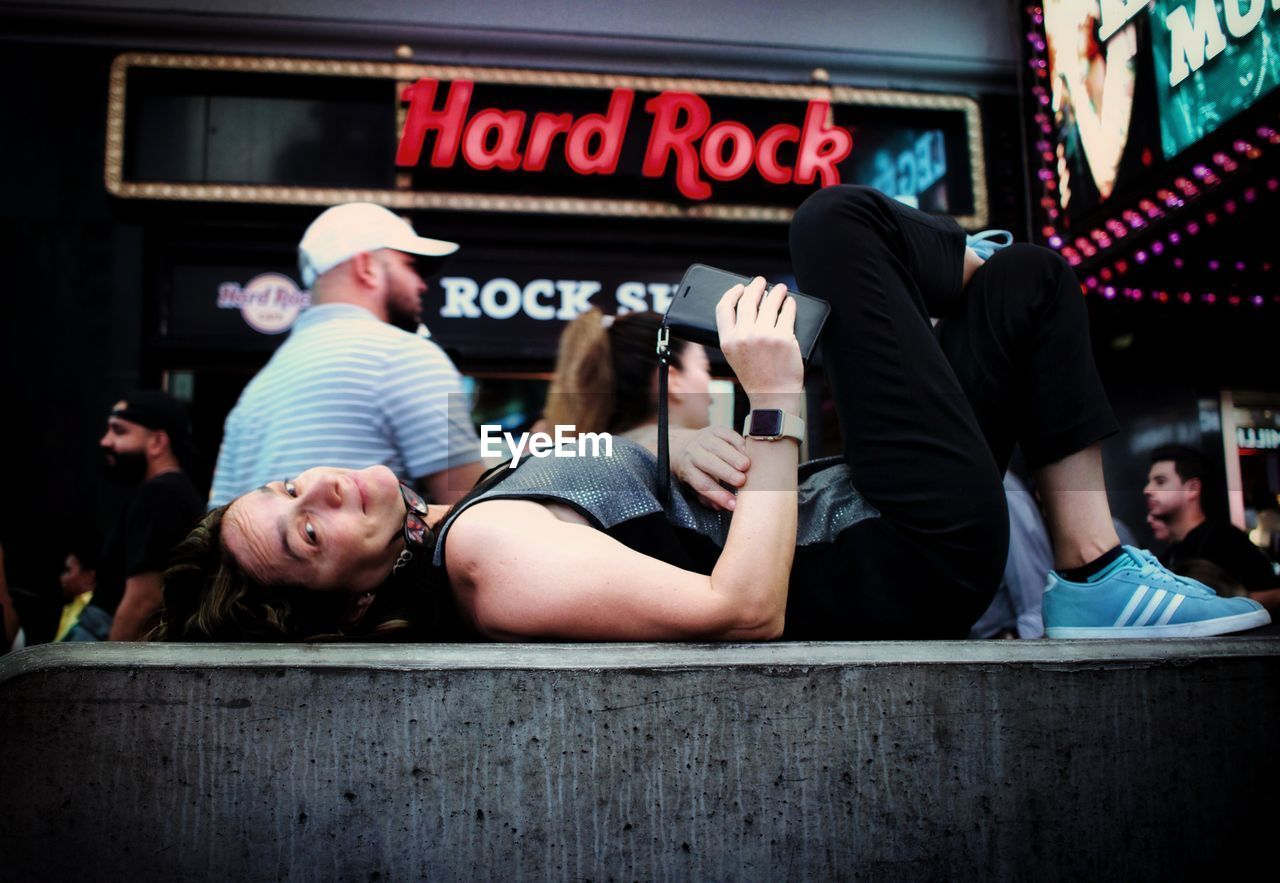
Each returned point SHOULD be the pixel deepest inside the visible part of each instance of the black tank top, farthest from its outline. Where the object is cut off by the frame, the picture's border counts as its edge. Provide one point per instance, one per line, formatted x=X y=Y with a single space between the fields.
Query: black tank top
x=617 y=495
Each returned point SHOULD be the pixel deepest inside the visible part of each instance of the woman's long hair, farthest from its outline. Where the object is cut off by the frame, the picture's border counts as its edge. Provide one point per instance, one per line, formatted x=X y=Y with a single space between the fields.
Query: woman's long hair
x=209 y=597
x=604 y=372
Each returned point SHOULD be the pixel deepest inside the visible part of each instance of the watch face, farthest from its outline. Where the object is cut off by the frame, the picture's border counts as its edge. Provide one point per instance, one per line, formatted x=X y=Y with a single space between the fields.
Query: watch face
x=767 y=422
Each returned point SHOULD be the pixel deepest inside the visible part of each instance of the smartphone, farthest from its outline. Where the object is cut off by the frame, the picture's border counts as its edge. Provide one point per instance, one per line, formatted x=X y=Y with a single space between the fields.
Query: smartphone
x=692 y=314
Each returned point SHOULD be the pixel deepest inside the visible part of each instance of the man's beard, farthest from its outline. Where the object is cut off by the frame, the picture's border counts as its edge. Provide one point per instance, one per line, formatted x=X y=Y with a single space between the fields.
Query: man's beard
x=127 y=469
x=405 y=320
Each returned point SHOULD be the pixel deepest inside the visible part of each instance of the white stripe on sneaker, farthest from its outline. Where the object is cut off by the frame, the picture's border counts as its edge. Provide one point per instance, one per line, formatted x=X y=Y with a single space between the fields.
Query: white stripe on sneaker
x=1168 y=611
x=1130 y=607
x=1151 y=607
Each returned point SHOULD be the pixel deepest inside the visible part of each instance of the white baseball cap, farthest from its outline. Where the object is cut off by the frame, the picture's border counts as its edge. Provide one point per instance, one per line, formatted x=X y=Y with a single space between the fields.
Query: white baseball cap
x=344 y=231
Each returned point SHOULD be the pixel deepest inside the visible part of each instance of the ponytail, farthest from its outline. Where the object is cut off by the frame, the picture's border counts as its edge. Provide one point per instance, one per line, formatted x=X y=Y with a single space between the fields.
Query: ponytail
x=604 y=380
x=583 y=389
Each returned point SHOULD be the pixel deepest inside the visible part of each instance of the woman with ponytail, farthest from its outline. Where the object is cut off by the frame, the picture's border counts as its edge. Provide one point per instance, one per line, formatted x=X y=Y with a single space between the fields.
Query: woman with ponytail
x=606 y=377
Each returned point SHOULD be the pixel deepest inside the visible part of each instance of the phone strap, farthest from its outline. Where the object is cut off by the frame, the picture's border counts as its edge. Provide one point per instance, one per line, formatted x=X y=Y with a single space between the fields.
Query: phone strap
x=664 y=454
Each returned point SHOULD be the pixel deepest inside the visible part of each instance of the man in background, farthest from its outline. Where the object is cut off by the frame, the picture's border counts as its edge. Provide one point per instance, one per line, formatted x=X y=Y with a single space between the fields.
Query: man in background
x=1177 y=484
x=78 y=579
x=353 y=386
x=147 y=445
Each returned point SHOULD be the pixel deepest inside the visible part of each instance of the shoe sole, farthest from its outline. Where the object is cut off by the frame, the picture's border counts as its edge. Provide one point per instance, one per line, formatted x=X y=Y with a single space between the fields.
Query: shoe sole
x=1203 y=629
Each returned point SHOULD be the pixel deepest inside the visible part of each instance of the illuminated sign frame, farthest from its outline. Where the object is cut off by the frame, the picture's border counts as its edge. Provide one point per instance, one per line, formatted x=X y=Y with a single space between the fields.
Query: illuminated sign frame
x=404 y=198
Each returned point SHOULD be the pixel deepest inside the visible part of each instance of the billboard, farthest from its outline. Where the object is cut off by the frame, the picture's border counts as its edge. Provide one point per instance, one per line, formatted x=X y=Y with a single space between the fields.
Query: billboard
x=1213 y=59
x=1102 y=99
x=1123 y=85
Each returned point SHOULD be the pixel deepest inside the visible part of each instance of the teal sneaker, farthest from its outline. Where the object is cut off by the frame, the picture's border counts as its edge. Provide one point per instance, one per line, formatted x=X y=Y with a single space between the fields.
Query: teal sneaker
x=988 y=242
x=1137 y=597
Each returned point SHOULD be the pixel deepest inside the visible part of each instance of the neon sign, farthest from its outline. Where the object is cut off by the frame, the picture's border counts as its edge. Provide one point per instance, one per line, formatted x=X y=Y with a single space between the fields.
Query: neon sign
x=681 y=129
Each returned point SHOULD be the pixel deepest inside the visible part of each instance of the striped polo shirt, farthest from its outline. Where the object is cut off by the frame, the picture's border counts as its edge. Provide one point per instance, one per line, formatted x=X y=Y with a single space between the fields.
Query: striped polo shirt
x=346 y=389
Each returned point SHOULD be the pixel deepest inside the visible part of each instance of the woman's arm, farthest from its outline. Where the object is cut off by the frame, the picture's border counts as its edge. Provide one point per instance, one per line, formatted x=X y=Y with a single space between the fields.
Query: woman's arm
x=522 y=572
x=757 y=336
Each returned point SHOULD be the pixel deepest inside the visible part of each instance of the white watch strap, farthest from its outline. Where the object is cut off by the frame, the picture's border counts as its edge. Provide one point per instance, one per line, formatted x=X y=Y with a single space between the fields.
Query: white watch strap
x=792 y=426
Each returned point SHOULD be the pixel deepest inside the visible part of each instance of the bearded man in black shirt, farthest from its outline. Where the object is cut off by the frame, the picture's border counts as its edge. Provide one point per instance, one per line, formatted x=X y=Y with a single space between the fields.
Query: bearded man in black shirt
x=147 y=444
x=1176 y=485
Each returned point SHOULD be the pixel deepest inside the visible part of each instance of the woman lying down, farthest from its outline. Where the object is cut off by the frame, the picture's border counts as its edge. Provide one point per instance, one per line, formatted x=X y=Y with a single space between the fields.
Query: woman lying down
x=904 y=536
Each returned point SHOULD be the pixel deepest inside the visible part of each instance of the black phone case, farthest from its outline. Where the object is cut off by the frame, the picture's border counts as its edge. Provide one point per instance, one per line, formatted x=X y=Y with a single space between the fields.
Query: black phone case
x=692 y=314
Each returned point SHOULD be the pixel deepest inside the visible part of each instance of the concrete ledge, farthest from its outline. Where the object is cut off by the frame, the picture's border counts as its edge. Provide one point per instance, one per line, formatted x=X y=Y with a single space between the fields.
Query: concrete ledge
x=943 y=760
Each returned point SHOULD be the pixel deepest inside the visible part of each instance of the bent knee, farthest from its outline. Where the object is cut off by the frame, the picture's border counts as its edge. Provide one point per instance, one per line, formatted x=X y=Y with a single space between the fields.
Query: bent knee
x=837 y=217
x=1030 y=261
x=838 y=204
x=1024 y=272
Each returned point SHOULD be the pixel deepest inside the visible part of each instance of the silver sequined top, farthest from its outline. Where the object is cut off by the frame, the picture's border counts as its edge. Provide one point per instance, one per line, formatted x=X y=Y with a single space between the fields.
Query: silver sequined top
x=610 y=490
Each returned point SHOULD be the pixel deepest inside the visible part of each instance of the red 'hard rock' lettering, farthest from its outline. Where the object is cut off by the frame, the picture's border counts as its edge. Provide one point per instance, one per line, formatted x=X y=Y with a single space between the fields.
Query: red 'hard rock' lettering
x=668 y=136
x=610 y=128
x=681 y=118
x=491 y=139
x=422 y=118
x=682 y=129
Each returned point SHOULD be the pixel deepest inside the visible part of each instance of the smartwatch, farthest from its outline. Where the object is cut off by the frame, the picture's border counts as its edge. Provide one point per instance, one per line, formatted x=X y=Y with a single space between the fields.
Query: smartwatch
x=771 y=424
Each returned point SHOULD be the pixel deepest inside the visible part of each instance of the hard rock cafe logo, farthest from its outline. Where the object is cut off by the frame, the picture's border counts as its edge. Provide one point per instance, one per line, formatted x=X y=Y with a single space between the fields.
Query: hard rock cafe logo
x=269 y=302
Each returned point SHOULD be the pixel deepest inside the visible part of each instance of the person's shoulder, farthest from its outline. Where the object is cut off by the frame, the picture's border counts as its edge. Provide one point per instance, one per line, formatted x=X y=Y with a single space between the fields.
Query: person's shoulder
x=326 y=324
x=176 y=487
x=414 y=344
x=387 y=340
x=1229 y=546
x=409 y=355
x=1216 y=530
x=166 y=502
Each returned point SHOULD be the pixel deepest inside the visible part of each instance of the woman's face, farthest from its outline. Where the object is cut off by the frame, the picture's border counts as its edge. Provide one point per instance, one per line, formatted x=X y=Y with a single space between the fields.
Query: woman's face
x=328 y=529
x=689 y=388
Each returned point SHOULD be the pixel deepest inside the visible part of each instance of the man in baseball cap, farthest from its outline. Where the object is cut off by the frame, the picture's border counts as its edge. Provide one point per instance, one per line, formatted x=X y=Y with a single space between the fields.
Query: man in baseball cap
x=147 y=446
x=354 y=239
x=156 y=411
x=353 y=386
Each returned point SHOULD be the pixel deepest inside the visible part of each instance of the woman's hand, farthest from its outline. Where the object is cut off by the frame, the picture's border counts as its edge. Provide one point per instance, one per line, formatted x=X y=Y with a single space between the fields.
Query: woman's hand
x=712 y=457
x=757 y=336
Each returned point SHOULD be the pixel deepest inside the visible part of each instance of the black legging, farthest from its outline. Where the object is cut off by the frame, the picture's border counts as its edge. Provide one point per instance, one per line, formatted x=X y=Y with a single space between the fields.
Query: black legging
x=930 y=418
